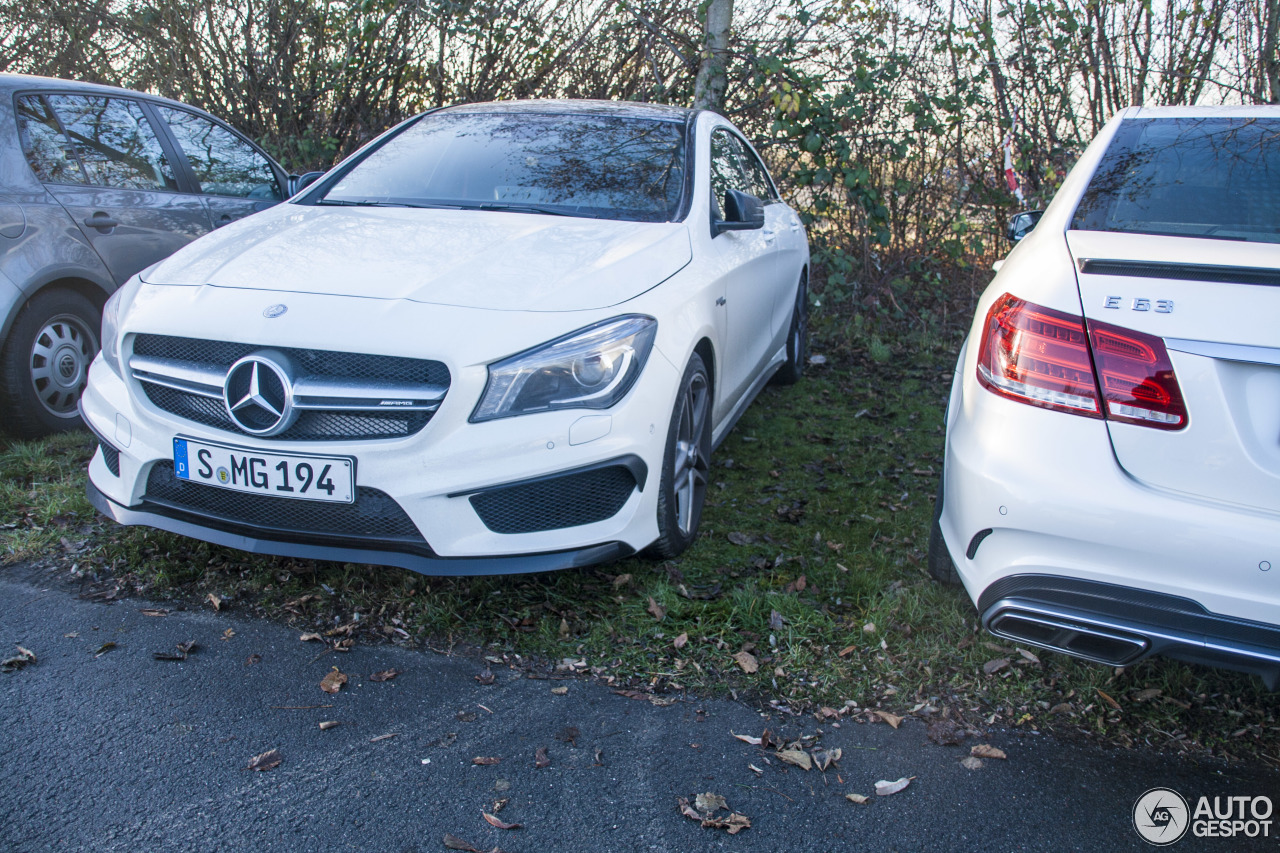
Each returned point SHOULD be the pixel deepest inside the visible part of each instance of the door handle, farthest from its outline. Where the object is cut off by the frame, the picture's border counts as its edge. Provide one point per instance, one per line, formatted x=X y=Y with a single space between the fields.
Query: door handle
x=769 y=235
x=101 y=220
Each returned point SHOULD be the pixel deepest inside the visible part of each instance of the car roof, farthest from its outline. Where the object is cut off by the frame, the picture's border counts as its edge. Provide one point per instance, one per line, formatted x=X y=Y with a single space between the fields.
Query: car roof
x=1234 y=111
x=30 y=82
x=568 y=106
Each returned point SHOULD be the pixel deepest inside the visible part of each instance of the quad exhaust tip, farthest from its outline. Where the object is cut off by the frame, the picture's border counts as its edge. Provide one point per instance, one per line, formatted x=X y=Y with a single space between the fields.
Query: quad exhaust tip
x=1102 y=645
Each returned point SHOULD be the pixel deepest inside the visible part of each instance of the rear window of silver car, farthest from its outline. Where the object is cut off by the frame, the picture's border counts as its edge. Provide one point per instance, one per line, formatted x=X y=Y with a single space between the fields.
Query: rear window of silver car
x=605 y=167
x=1213 y=177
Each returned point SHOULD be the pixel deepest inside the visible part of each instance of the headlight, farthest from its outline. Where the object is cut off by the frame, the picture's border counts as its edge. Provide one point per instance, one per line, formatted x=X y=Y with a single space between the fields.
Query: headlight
x=592 y=368
x=111 y=332
x=112 y=313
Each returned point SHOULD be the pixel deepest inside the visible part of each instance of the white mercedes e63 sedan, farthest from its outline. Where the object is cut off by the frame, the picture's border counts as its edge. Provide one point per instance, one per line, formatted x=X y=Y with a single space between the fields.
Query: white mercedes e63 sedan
x=500 y=338
x=1112 y=466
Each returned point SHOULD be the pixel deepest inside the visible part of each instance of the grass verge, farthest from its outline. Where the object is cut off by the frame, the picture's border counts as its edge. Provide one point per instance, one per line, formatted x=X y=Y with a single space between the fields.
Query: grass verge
x=810 y=561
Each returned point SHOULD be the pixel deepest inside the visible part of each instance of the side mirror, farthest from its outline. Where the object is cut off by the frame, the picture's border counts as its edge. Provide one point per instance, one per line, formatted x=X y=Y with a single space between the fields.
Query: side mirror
x=298 y=183
x=1020 y=224
x=742 y=212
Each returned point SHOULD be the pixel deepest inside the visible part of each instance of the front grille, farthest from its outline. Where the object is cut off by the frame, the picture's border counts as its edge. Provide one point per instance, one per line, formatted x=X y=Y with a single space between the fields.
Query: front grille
x=373 y=517
x=556 y=502
x=312 y=424
x=111 y=457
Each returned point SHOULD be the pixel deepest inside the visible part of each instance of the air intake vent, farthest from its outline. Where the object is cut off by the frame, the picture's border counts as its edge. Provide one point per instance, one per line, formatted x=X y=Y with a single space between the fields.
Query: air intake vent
x=553 y=503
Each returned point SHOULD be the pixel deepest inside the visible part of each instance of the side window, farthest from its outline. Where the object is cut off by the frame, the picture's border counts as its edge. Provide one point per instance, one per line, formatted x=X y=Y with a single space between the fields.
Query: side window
x=48 y=151
x=726 y=173
x=756 y=173
x=114 y=141
x=224 y=164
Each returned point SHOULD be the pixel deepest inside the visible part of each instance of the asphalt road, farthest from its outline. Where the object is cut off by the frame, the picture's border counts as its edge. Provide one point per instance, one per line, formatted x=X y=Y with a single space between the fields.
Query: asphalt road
x=117 y=751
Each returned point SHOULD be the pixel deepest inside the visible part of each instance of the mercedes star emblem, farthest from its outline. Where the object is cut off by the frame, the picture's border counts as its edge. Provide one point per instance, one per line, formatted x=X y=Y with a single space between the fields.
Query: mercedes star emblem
x=258 y=393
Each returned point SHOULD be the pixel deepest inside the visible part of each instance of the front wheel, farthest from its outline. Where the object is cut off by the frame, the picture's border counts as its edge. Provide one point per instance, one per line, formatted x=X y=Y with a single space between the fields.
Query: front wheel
x=797 y=337
x=45 y=363
x=685 y=464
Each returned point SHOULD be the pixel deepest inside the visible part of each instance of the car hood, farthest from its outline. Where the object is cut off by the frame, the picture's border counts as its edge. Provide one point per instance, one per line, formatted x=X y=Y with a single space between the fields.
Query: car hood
x=464 y=258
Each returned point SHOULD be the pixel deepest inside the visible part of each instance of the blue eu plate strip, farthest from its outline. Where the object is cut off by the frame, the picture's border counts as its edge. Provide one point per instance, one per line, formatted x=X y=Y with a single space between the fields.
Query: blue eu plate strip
x=180 y=459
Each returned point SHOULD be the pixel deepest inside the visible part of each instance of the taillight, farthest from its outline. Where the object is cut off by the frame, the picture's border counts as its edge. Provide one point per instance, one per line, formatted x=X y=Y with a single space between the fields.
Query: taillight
x=1039 y=356
x=1042 y=357
x=1137 y=379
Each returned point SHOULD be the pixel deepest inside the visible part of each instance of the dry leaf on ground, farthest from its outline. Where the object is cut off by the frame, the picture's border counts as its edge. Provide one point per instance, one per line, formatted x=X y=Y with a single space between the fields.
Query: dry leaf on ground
x=541 y=759
x=252 y=659
x=991 y=667
x=656 y=609
x=18 y=661
x=1147 y=695
x=846 y=651
x=307 y=638
x=946 y=732
x=486 y=677
x=384 y=675
x=971 y=763
x=498 y=823
x=268 y=760
x=733 y=823
x=680 y=641
x=1029 y=656
x=885 y=789
x=485 y=761
x=986 y=750
x=328 y=724
x=621 y=581
x=754 y=741
x=824 y=758
x=215 y=600
x=1113 y=703
x=333 y=682
x=103 y=649
x=153 y=611
x=857 y=798
x=559 y=691
x=453 y=842
x=798 y=757
x=892 y=719
x=747 y=661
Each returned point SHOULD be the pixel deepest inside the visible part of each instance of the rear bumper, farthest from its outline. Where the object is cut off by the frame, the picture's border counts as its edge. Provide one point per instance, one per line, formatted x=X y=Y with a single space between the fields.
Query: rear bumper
x=1119 y=625
x=418 y=558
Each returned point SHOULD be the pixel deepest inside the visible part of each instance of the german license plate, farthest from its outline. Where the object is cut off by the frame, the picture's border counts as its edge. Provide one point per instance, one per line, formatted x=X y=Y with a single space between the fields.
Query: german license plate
x=281 y=475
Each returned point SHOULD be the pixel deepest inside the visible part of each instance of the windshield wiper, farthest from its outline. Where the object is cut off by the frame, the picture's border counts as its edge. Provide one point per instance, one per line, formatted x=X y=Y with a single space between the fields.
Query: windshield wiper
x=525 y=208
x=335 y=202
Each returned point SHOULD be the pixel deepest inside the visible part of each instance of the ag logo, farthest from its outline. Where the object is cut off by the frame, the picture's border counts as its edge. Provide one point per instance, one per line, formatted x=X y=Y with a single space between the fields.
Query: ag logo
x=1161 y=816
x=224 y=476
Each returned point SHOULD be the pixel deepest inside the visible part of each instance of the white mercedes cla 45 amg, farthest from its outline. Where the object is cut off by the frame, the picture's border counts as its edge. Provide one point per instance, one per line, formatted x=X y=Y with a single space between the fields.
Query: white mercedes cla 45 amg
x=499 y=338
x=1112 y=473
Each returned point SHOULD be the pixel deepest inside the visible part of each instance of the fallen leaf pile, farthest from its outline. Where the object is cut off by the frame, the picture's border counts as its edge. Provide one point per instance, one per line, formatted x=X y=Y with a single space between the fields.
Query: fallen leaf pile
x=705 y=808
x=797 y=753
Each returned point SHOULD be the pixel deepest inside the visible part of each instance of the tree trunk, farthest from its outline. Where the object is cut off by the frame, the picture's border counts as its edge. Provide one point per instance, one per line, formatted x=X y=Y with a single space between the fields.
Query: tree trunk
x=713 y=63
x=1271 y=51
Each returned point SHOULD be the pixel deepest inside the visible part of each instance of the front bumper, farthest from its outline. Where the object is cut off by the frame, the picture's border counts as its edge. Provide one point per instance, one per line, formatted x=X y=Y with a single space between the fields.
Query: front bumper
x=255 y=542
x=458 y=485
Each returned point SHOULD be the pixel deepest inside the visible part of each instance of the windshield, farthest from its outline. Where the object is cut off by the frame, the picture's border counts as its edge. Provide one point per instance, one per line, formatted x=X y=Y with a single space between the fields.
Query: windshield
x=605 y=167
x=1189 y=177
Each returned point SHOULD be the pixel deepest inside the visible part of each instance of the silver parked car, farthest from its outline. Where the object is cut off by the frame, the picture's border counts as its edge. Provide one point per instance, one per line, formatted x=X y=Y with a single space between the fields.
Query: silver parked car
x=97 y=183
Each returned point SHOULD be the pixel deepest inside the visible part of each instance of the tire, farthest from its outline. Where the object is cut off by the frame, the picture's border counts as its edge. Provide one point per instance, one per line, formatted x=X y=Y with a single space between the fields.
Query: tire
x=797 y=338
x=45 y=363
x=941 y=566
x=682 y=488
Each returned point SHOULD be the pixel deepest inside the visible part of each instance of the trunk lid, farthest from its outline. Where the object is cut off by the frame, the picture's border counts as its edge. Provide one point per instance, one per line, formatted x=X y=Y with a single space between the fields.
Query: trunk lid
x=1216 y=305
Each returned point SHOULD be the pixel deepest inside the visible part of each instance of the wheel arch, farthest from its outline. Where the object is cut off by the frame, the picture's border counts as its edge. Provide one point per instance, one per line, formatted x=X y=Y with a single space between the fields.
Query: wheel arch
x=95 y=291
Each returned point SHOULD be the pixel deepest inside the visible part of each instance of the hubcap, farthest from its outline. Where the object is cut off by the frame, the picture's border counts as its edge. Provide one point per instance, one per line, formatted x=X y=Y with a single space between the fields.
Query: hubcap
x=691 y=462
x=60 y=358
